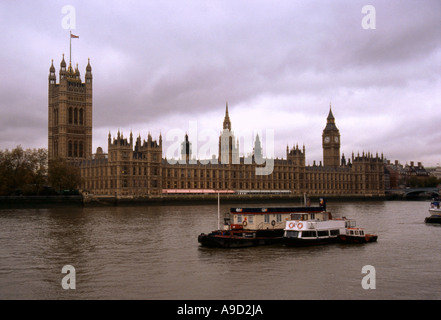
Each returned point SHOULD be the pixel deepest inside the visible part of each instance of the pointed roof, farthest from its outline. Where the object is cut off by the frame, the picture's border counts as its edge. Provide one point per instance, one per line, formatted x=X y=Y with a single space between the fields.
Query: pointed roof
x=52 y=68
x=88 y=67
x=330 y=123
x=63 y=63
x=330 y=115
x=227 y=122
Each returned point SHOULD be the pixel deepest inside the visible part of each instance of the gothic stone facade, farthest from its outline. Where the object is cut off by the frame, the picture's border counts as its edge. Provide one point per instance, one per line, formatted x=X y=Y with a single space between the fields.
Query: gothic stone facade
x=137 y=169
x=70 y=114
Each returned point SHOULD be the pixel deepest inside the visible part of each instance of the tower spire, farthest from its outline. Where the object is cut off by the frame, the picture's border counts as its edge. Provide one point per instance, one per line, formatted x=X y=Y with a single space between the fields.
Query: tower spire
x=330 y=115
x=227 y=122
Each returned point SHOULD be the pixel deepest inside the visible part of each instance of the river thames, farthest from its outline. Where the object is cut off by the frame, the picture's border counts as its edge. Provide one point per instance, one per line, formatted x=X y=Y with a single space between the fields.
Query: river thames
x=152 y=252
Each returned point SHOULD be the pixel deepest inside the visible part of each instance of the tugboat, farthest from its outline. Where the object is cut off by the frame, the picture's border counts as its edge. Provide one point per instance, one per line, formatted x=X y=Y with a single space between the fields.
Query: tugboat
x=435 y=212
x=254 y=226
x=356 y=235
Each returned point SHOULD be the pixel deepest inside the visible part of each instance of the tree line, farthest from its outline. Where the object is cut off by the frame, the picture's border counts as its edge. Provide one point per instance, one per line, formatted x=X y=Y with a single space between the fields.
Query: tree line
x=27 y=172
x=420 y=182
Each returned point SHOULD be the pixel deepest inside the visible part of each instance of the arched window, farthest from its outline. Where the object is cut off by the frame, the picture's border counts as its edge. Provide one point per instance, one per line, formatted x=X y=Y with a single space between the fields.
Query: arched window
x=55 y=117
x=75 y=149
x=81 y=116
x=55 y=149
x=80 y=149
x=69 y=154
x=76 y=116
x=70 y=115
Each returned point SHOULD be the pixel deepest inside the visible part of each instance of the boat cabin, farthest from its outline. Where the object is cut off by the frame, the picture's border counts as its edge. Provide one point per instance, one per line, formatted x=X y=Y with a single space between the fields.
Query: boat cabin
x=266 y=218
x=355 y=232
x=317 y=225
x=349 y=223
x=315 y=216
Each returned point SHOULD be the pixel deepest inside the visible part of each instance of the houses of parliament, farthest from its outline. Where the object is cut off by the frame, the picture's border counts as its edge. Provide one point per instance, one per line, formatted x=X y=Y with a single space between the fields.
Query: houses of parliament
x=135 y=167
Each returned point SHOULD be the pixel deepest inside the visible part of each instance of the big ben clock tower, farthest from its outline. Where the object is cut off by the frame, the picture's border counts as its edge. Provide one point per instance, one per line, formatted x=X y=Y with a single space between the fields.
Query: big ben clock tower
x=331 y=142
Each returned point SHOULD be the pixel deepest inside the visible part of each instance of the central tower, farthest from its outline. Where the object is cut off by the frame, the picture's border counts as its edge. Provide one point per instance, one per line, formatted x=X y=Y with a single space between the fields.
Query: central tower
x=228 y=148
x=331 y=142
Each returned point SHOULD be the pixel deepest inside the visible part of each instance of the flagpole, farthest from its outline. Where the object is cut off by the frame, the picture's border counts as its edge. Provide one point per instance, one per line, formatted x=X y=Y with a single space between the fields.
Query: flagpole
x=70 y=47
x=218 y=211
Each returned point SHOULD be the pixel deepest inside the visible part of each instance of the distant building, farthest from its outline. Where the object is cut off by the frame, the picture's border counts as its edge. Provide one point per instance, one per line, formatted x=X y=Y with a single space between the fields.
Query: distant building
x=136 y=168
x=436 y=172
x=401 y=176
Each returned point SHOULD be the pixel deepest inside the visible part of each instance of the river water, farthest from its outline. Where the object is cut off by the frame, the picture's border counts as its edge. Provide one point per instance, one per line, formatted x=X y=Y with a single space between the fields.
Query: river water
x=151 y=252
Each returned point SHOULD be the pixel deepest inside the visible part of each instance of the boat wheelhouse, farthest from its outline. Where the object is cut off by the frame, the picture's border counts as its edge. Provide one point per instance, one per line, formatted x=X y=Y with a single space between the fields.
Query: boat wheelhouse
x=357 y=235
x=435 y=211
x=435 y=206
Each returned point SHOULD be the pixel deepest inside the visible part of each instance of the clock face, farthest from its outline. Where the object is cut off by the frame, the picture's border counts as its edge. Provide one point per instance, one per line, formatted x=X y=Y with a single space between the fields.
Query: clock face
x=336 y=139
x=327 y=139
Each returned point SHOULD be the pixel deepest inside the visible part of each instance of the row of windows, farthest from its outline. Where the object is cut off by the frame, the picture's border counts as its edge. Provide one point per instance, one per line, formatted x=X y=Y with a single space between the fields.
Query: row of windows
x=312 y=234
x=226 y=185
x=206 y=180
x=266 y=218
x=73 y=85
x=75 y=149
x=170 y=173
x=224 y=174
x=328 y=176
x=125 y=156
x=77 y=98
x=125 y=170
x=112 y=184
x=76 y=116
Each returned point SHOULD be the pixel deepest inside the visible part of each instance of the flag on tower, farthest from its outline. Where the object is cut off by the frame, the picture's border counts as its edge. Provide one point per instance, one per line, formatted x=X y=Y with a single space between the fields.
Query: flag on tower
x=70 y=45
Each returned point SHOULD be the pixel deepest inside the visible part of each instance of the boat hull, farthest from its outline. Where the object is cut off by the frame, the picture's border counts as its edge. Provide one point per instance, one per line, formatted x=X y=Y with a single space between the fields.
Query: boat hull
x=344 y=238
x=227 y=239
x=433 y=219
x=303 y=242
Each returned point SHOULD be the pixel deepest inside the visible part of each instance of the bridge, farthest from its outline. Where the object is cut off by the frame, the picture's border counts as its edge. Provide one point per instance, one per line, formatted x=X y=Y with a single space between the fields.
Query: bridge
x=412 y=192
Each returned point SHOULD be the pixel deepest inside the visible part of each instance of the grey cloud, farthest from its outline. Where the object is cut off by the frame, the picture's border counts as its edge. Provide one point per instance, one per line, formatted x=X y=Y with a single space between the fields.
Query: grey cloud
x=153 y=61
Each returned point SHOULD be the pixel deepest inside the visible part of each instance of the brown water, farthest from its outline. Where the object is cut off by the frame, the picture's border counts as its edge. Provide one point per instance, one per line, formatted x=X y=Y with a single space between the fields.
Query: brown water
x=152 y=252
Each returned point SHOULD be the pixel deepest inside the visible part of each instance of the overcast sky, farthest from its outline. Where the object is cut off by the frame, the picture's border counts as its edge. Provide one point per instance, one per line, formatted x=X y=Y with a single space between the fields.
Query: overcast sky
x=162 y=65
